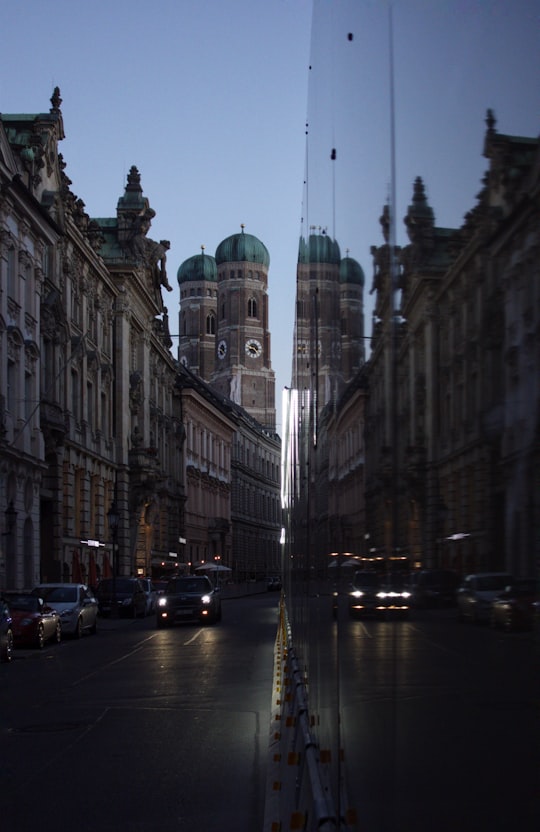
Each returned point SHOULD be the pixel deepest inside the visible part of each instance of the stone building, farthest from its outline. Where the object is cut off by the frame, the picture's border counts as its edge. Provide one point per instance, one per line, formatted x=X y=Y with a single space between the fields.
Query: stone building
x=224 y=335
x=452 y=465
x=91 y=416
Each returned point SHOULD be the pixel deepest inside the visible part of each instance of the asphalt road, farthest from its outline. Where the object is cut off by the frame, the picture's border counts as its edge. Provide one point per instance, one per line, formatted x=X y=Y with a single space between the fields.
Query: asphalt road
x=141 y=730
x=439 y=724
x=144 y=730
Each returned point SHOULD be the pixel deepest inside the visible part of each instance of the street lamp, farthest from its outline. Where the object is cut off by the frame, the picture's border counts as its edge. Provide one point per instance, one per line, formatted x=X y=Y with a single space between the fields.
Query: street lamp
x=114 y=519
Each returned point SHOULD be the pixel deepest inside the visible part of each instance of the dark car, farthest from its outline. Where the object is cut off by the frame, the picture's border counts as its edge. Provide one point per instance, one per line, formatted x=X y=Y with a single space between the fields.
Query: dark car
x=33 y=621
x=121 y=596
x=514 y=608
x=434 y=588
x=189 y=598
x=363 y=598
x=6 y=632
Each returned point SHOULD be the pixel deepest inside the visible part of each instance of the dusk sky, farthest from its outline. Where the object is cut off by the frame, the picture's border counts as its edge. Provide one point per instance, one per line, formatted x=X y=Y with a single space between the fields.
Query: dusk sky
x=210 y=100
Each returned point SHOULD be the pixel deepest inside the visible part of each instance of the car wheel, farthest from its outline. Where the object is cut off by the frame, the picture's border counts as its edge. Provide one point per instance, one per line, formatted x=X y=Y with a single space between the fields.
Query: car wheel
x=40 y=638
x=7 y=652
x=58 y=633
x=79 y=628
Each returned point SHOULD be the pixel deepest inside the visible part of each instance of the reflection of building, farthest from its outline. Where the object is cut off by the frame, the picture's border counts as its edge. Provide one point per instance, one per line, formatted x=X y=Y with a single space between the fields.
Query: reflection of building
x=468 y=376
x=90 y=411
x=329 y=324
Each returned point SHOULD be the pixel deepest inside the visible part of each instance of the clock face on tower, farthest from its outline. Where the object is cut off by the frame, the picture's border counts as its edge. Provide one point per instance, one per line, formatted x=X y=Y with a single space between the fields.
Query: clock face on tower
x=222 y=349
x=253 y=348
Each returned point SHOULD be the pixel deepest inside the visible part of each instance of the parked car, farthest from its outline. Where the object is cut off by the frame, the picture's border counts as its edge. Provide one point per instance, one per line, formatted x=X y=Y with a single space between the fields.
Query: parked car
x=150 y=593
x=6 y=632
x=514 y=607
x=76 y=604
x=34 y=621
x=122 y=596
x=188 y=598
x=476 y=593
x=434 y=588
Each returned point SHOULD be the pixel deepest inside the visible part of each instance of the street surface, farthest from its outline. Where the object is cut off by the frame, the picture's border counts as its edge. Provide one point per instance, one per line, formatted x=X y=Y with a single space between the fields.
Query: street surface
x=144 y=730
x=440 y=724
x=141 y=730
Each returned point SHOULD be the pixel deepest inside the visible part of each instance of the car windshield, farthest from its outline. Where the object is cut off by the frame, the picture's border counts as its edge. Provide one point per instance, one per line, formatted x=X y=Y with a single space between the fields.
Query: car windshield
x=24 y=602
x=366 y=579
x=491 y=582
x=187 y=585
x=60 y=594
x=122 y=585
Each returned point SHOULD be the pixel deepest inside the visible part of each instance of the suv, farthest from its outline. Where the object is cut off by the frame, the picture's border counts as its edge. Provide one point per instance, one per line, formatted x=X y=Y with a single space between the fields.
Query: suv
x=76 y=604
x=123 y=596
x=188 y=598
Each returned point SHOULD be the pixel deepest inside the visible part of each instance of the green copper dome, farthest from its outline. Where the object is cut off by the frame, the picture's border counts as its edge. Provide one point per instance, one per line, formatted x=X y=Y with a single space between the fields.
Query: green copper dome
x=320 y=248
x=350 y=271
x=242 y=248
x=199 y=267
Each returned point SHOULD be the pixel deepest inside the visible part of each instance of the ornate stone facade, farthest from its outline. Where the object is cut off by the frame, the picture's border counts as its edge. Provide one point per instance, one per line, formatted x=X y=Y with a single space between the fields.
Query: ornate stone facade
x=452 y=465
x=91 y=412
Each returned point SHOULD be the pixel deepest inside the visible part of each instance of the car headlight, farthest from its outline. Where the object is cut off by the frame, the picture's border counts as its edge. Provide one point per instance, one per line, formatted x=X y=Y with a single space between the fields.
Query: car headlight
x=127 y=601
x=206 y=599
x=382 y=594
x=405 y=594
x=162 y=602
x=26 y=621
x=67 y=613
x=357 y=593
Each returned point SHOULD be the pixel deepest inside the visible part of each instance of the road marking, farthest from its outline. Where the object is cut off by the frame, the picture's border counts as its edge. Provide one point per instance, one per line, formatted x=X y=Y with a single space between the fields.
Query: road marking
x=193 y=638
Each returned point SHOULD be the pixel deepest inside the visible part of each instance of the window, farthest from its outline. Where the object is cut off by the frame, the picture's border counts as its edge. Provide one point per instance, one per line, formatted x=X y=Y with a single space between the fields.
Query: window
x=210 y=325
x=252 y=308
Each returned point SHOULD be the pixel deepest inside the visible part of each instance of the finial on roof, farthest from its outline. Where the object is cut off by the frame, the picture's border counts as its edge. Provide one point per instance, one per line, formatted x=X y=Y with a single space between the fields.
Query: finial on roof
x=491 y=121
x=242 y=226
x=202 y=249
x=55 y=100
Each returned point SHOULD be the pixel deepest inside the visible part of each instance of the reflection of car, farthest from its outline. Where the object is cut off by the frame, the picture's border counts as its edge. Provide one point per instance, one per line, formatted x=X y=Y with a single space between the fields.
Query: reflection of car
x=363 y=598
x=273 y=583
x=434 y=587
x=76 y=604
x=150 y=595
x=188 y=598
x=124 y=596
x=476 y=593
x=6 y=632
x=34 y=621
x=513 y=608
x=394 y=596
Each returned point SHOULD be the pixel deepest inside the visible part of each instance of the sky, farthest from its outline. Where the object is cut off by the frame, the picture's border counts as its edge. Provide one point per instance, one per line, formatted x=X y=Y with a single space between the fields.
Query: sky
x=230 y=110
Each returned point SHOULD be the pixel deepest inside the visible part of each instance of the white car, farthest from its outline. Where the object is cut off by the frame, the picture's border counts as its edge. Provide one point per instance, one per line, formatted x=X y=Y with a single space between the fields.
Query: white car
x=76 y=604
x=476 y=593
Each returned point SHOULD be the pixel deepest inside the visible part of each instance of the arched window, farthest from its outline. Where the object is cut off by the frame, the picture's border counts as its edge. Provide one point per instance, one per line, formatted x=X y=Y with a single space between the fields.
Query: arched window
x=252 y=308
x=210 y=324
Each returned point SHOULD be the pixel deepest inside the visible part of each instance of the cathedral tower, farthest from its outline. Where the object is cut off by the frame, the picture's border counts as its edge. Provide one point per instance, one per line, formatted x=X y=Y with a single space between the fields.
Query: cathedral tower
x=243 y=369
x=197 y=278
